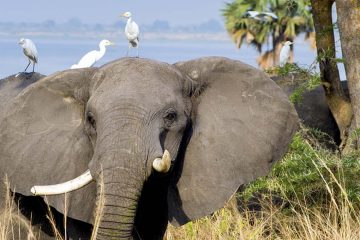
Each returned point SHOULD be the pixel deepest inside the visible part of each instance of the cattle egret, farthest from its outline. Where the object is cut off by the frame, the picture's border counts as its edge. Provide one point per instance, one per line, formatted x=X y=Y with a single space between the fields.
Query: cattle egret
x=29 y=51
x=285 y=53
x=132 y=33
x=89 y=59
x=262 y=16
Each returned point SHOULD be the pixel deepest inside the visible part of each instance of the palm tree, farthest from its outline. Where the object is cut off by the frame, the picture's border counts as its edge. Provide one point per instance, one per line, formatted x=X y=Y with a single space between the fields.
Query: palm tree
x=294 y=17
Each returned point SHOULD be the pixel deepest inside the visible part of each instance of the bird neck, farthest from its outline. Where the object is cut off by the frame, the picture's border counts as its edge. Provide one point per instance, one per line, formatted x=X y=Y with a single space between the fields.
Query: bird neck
x=129 y=20
x=102 y=49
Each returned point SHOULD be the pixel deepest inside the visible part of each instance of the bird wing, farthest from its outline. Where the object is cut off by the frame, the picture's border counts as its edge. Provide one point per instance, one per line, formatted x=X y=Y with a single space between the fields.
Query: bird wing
x=88 y=60
x=134 y=42
x=30 y=50
x=284 y=55
x=132 y=31
x=270 y=14
x=253 y=13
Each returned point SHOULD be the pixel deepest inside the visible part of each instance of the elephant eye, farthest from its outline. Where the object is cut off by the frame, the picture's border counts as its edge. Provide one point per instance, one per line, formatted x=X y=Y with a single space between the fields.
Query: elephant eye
x=91 y=119
x=170 y=117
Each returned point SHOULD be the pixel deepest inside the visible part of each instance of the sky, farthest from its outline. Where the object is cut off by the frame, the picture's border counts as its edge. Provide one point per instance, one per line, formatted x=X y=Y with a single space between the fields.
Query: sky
x=184 y=12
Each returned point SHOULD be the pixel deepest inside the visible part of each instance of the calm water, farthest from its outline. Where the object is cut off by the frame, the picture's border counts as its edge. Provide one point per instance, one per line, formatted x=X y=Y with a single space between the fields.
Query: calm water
x=60 y=54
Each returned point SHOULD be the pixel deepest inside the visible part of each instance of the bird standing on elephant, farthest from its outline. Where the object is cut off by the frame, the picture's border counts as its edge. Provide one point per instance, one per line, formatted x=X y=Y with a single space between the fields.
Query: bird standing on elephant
x=132 y=33
x=285 y=53
x=89 y=59
x=30 y=52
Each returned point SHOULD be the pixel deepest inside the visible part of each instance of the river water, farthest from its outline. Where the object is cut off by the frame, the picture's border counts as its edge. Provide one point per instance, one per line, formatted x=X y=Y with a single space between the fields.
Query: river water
x=59 y=54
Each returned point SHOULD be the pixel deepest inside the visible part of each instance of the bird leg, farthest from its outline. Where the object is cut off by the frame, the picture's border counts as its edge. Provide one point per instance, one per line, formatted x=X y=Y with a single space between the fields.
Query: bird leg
x=27 y=66
x=137 y=49
x=33 y=67
x=127 y=52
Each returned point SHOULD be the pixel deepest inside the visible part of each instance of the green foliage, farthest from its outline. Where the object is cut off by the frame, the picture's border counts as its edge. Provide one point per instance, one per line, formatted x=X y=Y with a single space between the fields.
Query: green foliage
x=328 y=28
x=313 y=82
x=306 y=79
x=311 y=174
x=294 y=17
x=289 y=68
x=339 y=60
x=328 y=54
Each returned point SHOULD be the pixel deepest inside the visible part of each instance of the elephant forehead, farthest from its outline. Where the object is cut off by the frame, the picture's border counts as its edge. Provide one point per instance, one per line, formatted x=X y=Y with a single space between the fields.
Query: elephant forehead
x=149 y=93
x=152 y=83
x=142 y=73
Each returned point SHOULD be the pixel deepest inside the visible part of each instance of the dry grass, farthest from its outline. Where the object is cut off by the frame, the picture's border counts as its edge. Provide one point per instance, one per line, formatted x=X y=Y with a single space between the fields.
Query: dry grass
x=338 y=222
x=99 y=208
x=332 y=217
x=12 y=224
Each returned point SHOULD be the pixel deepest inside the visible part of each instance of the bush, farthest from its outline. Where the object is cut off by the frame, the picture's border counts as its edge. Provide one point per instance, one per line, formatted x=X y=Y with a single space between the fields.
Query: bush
x=309 y=171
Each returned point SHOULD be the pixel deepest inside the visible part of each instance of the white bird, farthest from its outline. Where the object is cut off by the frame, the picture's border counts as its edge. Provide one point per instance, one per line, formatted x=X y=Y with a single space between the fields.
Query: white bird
x=30 y=51
x=262 y=16
x=285 y=53
x=89 y=59
x=132 y=33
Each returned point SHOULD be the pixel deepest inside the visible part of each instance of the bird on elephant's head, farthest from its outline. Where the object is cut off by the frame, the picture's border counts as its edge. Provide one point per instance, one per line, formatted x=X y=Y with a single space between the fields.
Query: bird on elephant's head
x=218 y=122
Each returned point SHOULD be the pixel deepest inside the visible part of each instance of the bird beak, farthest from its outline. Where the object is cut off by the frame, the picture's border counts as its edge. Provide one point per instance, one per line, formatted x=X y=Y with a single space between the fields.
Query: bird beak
x=122 y=15
x=111 y=44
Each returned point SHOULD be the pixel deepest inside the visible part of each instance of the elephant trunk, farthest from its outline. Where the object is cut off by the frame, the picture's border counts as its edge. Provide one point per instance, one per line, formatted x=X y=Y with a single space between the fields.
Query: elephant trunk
x=120 y=166
x=121 y=192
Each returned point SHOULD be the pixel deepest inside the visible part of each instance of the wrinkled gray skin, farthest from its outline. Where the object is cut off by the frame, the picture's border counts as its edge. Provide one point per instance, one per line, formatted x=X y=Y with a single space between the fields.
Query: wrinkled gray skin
x=224 y=123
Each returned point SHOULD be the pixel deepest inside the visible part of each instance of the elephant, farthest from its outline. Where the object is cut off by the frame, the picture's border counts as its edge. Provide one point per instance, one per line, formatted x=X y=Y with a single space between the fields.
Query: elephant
x=157 y=142
x=313 y=109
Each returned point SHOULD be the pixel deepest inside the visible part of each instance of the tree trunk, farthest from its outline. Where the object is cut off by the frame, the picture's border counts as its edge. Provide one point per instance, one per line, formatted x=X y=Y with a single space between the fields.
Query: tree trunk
x=348 y=12
x=338 y=103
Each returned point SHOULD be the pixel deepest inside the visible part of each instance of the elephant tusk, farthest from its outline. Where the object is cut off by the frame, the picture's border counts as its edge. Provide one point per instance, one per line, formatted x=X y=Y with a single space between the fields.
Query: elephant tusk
x=163 y=164
x=65 y=187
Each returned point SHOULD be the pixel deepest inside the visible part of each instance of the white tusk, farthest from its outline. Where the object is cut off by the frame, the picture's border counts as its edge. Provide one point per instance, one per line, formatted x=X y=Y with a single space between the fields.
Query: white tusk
x=163 y=164
x=65 y=187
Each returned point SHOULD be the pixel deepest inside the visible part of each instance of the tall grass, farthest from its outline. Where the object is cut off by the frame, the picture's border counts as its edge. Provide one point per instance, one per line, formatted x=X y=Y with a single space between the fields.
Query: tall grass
x=12 y=224
x=338 y=222
x=99 y=210
x=312 y=193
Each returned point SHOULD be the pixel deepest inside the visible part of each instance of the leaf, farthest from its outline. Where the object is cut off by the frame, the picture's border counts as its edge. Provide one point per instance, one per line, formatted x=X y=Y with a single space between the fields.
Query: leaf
x=294 y=18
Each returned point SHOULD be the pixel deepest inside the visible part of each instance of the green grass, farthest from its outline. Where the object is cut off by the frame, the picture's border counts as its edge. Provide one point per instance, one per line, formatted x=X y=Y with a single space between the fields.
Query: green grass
x=304 y=170
x=312 y=193
x=304 y=79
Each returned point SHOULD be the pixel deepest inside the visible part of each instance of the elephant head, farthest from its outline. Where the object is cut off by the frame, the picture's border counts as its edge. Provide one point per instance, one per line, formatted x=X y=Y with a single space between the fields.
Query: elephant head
x=192 y=132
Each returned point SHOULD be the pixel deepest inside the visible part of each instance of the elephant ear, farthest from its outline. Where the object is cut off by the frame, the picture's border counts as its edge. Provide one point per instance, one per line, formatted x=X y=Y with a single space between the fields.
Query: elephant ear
x=242 y=123
x=43 y=140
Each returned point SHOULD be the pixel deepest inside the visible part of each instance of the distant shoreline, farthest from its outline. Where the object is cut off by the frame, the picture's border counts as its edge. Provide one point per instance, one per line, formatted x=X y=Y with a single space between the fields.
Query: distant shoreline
x=219 y=36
